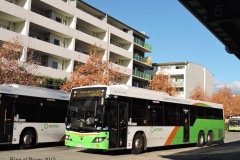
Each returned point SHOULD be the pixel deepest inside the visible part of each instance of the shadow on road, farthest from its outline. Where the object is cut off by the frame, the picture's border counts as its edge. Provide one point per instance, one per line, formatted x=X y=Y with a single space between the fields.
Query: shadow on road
x=127 y=152
x=229 y=151
x=110 y=152
x=41 y=145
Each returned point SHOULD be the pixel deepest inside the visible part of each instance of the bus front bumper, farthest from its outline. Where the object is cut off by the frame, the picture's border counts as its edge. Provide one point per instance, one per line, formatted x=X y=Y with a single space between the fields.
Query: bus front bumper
x=103 y=145
x=87 y=145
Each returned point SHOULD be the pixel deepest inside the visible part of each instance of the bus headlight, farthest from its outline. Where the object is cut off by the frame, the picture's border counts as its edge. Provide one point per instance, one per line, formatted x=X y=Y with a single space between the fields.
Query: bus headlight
x=67 y=137
x=98 y=140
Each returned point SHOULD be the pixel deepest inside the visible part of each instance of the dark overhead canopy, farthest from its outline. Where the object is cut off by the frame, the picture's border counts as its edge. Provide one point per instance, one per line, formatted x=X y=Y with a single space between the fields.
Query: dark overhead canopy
x=221 y=17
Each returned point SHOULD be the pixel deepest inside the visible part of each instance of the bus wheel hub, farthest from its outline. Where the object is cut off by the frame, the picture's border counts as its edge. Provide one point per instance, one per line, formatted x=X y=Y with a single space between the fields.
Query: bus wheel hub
x=138 y=143
x=27 y=139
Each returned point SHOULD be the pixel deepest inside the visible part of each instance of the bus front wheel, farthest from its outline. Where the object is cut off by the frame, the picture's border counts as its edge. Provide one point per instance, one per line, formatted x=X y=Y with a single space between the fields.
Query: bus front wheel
x=201 y=139
x=28 y=139
x=138 y=144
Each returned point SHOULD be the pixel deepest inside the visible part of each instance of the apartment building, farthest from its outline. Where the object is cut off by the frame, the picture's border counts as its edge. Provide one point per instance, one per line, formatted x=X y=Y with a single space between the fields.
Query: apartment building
x=186 y=76
x=64 y=32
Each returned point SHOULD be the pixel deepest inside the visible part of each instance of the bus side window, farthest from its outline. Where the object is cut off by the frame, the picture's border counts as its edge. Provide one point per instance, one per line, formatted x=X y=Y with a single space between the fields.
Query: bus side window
x=28 y=109
x=53 y=111
x=139 y=112
x=113 y=119
x=193 y=115
x=201 y=112
x=170 y=113
x=152 y=117
x=218 y=113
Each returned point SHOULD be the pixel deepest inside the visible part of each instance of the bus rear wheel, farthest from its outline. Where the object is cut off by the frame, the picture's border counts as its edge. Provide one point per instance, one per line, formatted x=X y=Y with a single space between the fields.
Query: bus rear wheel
x=209 y=138
x=28 y=139
x=201 y=139
x=138 y=144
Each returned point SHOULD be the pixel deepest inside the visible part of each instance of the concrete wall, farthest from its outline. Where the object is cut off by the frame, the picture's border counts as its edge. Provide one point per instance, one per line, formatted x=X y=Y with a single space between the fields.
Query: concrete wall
x=193 y=75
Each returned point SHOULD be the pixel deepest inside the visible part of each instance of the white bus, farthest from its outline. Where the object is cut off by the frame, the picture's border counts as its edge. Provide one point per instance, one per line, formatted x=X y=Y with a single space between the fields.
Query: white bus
x=31 y=115
x=125 y=117
x=234 y=123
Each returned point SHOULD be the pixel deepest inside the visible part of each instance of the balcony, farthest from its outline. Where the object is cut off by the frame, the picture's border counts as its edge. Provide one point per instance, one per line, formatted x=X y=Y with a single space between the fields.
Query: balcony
x=141 y=75
x=50 y=12
x=179 y=84
x=143 y=44
x=146 y=60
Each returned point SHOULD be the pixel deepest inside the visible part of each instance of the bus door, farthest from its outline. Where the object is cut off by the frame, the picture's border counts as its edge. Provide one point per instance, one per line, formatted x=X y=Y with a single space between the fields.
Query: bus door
x=118 y=125
x=186 y=124
x=6 y=119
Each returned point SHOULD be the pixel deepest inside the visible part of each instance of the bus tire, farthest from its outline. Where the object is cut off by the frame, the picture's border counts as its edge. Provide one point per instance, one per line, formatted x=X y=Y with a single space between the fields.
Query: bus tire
x=221 y=141
x=138 y=144
x=201 y=139
x=27 y=139
x=210 y=138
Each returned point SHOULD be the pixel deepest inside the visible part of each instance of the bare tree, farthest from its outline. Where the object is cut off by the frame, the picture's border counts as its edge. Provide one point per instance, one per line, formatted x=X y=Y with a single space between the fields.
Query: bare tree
x=94 y=72
x=163 y=83
x=199 y=94
x=14 y=71
x=225 y=96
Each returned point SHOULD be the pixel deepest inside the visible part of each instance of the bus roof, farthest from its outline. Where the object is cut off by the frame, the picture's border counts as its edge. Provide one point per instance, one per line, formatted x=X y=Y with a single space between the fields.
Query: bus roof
x=234 y=117
x=25 y=90
x=131 y=91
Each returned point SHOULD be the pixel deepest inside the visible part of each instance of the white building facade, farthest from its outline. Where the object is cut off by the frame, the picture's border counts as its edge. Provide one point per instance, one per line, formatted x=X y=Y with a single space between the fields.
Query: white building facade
x=64 y=32
x=187 y=76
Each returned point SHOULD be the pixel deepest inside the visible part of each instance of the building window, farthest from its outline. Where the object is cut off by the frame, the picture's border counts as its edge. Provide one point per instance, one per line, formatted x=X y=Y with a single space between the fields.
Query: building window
x=180 y=67
x=33 y=35
x=58 y=19
x=4 y=27
x=57 y=42
x=55 y=65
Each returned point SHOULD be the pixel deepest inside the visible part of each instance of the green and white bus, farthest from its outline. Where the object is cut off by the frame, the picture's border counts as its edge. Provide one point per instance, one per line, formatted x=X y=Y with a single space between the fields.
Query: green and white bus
x=125 y=117
x=234 y=123
x=31 y=115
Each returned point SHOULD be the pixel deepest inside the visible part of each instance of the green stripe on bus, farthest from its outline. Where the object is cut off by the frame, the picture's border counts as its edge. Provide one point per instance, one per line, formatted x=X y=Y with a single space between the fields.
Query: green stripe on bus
x=204 y=125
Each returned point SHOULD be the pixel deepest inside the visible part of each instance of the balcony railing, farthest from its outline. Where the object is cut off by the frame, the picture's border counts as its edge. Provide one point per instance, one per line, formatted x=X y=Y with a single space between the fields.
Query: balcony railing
x=143 y=44
x=147 y=60
x=141 y=75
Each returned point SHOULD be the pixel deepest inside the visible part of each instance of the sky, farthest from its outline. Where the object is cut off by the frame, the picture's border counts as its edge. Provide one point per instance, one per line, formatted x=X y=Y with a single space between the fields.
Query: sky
x=176 y=36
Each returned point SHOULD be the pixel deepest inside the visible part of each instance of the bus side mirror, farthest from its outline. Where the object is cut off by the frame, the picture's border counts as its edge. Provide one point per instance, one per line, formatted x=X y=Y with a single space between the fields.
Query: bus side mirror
x=67 y=120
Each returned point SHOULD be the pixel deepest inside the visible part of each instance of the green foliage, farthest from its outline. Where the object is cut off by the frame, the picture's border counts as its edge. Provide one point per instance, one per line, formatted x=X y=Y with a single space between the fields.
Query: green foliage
x=53 y=83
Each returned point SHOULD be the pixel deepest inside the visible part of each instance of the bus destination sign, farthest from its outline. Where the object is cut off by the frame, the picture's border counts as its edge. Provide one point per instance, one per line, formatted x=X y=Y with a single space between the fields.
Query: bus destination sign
x=88 y=93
